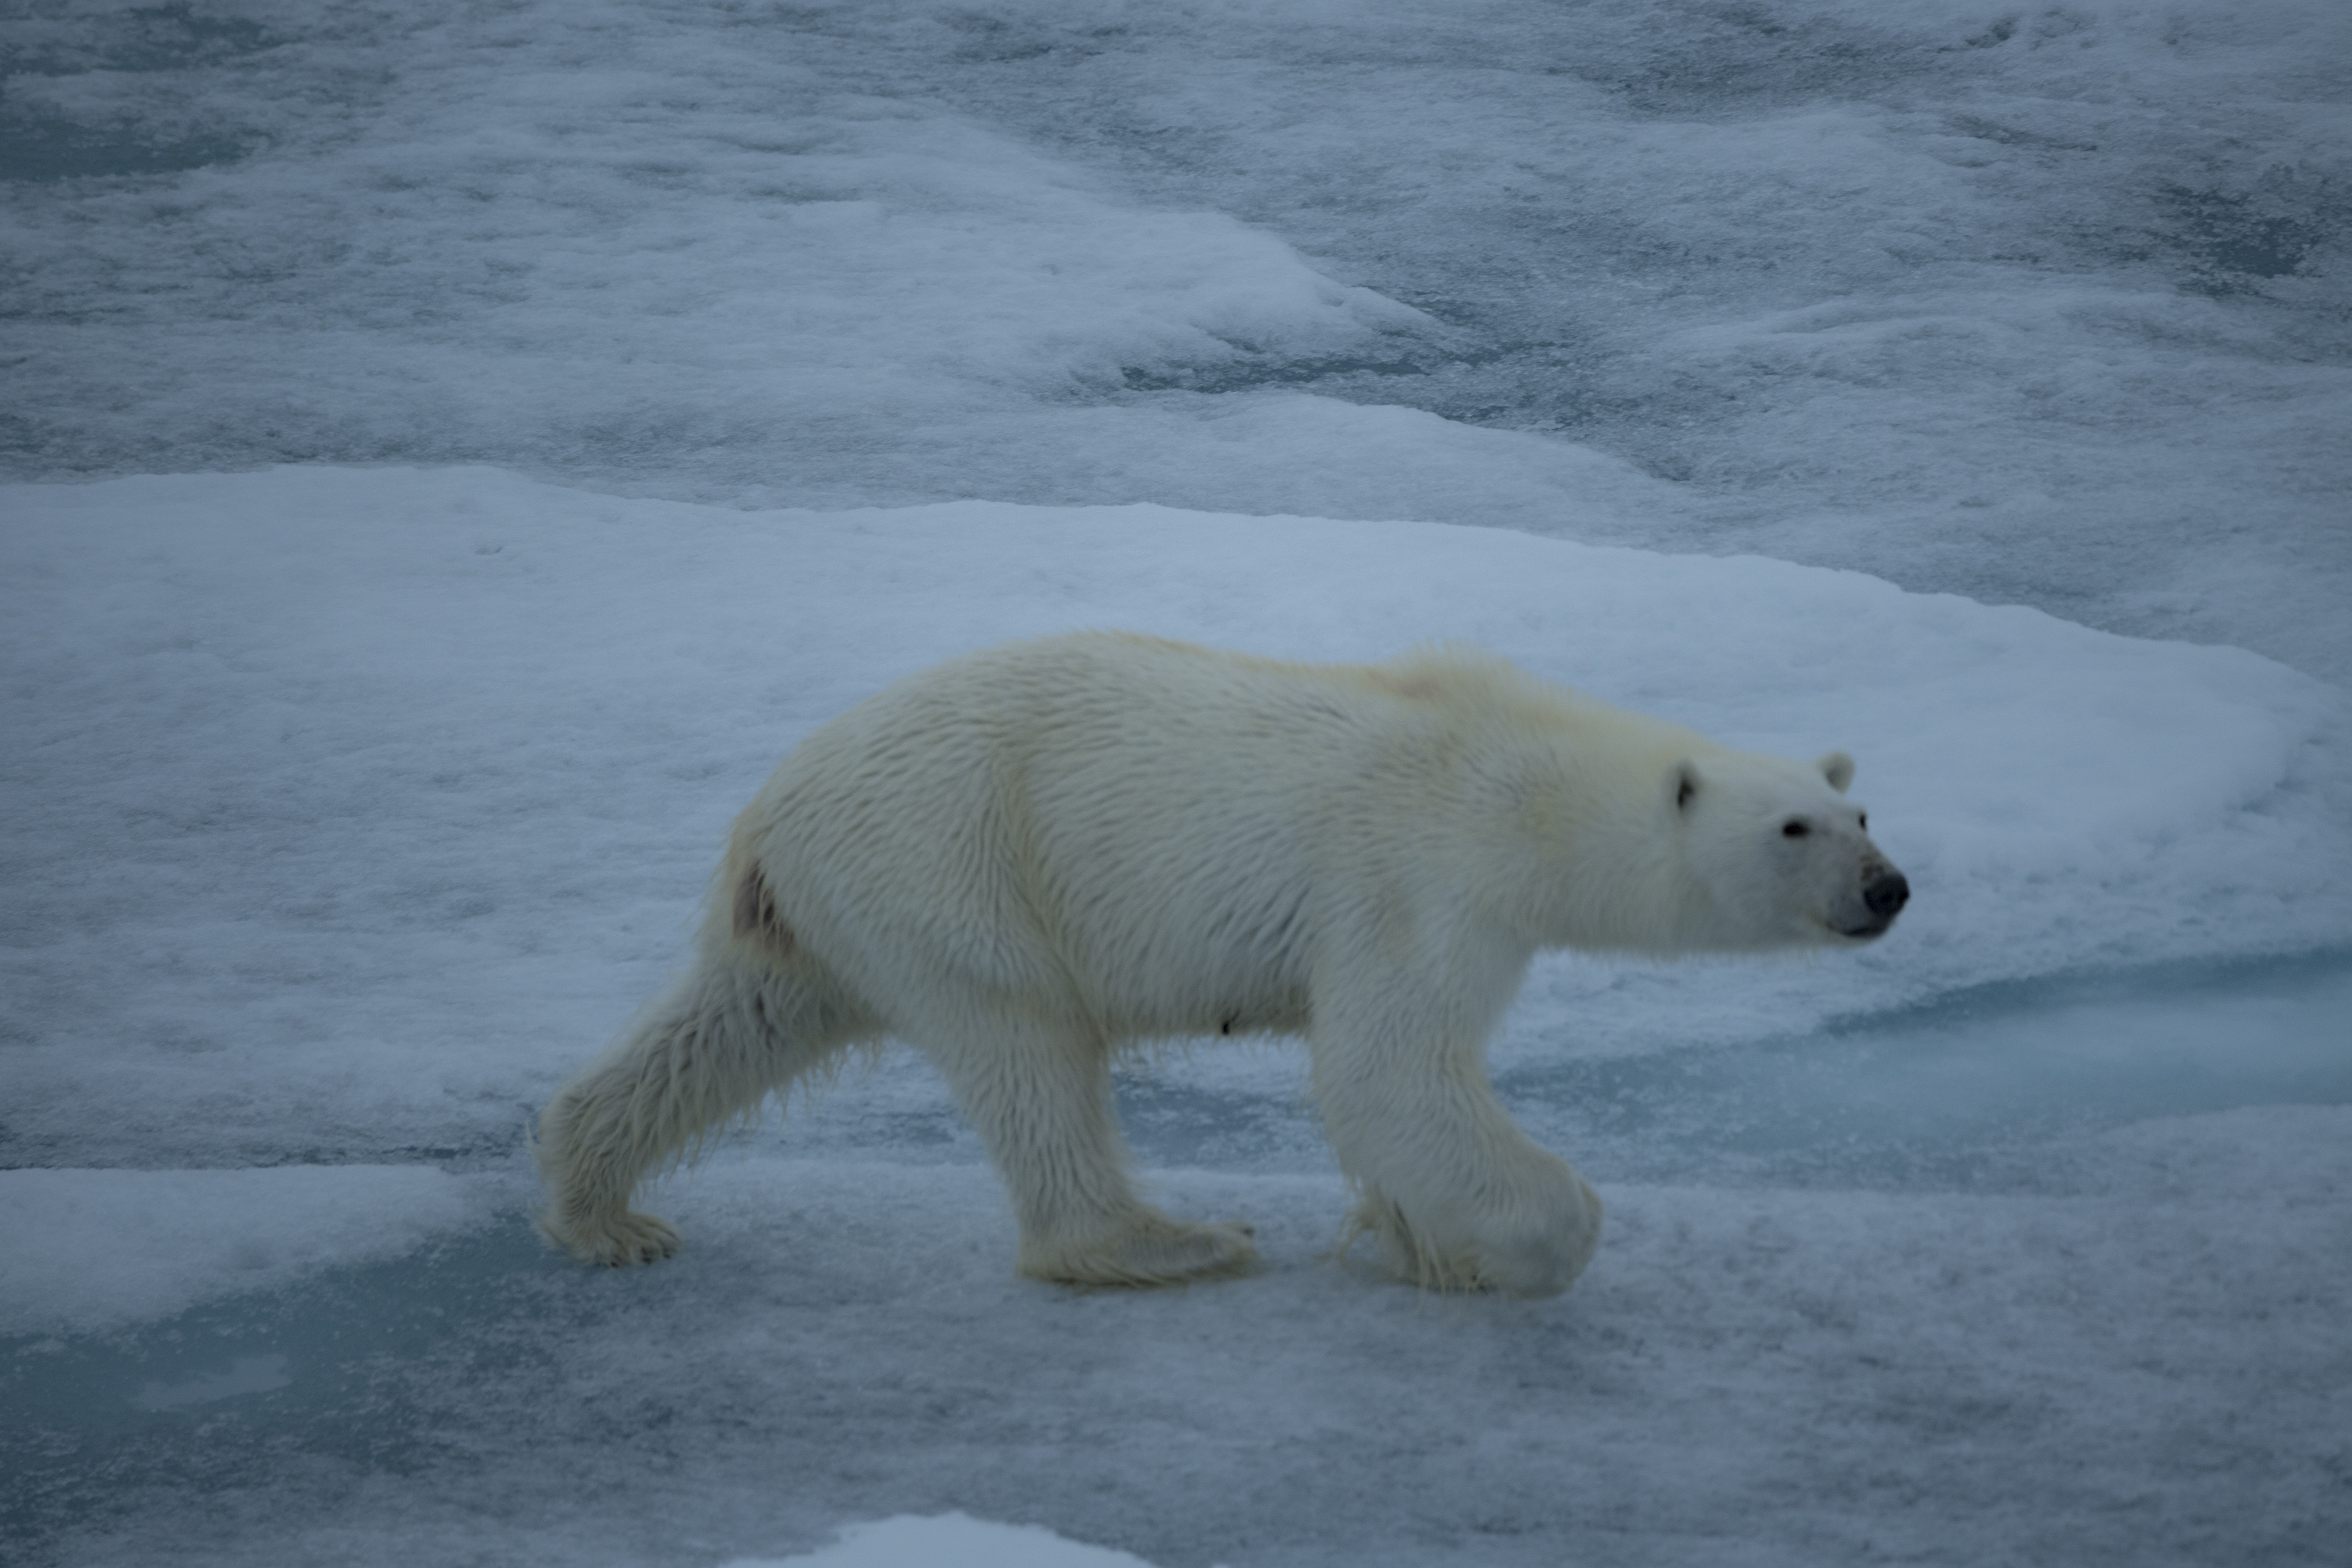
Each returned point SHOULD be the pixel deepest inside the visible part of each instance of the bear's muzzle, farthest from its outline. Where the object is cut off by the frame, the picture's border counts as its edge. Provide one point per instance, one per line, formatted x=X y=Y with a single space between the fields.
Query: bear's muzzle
x=1884 y=896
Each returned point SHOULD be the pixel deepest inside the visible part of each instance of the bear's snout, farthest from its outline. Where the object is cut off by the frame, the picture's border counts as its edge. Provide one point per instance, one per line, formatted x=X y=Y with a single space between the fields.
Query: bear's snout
x=1866 y=912
x=1886 y=894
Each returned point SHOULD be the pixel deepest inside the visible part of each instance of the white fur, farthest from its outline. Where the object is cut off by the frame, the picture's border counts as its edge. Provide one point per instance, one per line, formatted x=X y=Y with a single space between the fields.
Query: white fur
x=1021 y=859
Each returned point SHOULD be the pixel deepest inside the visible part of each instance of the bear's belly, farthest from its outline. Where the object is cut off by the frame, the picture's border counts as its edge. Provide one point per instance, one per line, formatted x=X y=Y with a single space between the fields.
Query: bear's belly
x=1230 y=1021
x=1248 y=996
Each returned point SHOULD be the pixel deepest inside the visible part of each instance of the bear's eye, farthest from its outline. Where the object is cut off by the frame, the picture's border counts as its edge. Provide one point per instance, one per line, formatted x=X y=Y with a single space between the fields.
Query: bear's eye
x=1792 y=828
x=1864 y=822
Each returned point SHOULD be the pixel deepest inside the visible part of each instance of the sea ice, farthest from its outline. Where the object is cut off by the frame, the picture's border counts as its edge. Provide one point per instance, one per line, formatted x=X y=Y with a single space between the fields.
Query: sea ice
x=418 y=774
x=909 y=1541
x=346 y=805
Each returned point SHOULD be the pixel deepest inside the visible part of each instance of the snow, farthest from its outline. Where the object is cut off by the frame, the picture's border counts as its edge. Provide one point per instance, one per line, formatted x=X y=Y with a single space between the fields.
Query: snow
x=453 y=450
x=2038 y=306
x=2130 y=1349
x=417 y=774
x=910 y=1542
x=84 y=1250
x=388 y=753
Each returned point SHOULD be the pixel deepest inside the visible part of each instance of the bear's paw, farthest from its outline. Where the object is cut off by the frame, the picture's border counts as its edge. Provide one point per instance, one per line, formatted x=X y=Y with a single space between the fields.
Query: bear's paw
x=1155 y=1250
x=1529 y=1249
x=620 y=1240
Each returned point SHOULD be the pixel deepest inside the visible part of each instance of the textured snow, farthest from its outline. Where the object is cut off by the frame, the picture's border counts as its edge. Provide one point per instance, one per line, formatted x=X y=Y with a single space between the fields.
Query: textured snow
x=910 y=1542
x=418 y=775
x=390 y=755
x=453 y=449
x=2126 y=1347
x=94 y=1249
x=2036 y=304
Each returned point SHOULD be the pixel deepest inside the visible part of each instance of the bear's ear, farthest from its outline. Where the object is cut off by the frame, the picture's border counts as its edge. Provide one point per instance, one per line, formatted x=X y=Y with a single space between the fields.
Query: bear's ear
x=1838 y=768
x=1681 y=783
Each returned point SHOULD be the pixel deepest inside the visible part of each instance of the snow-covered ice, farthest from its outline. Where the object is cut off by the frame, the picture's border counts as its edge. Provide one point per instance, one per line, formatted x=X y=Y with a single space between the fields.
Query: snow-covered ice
x=909 y=1541
x=94 y=1249
x=360 y=804
x=2038 y=304
x=456 y=448
x=387 y=752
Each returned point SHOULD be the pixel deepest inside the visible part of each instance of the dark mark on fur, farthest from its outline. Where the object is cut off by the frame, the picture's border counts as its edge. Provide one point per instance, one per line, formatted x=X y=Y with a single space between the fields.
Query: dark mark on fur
x=755 y=911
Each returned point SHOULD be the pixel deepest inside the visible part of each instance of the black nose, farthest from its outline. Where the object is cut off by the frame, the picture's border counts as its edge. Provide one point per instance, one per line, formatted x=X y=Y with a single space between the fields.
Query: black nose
x=1886 y=894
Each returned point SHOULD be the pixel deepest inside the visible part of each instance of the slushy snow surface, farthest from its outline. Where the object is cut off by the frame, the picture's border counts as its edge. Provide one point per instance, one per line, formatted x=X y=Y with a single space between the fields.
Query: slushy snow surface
x=459 y=447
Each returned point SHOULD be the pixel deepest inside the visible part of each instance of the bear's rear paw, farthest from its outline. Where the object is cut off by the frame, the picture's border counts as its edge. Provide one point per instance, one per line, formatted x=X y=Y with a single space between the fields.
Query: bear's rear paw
x=1159 y=1251
x=616 y=1241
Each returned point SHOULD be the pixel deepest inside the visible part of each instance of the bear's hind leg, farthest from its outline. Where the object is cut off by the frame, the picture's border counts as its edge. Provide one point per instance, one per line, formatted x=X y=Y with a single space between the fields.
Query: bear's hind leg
x=1041 y=1099
x=709 y=1050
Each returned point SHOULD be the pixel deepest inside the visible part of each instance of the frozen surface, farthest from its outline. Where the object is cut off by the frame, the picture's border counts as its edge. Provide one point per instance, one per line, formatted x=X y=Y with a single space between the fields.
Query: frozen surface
x=2135 y=1359
x=95 y=1250
x=387 y=755
x=344 y=810
x=953 y=1538
x=351 y=809
x=2042 y=304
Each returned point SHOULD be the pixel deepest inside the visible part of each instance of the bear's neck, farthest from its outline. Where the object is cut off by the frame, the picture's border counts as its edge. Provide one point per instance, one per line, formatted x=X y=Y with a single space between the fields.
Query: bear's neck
x=1601 y=861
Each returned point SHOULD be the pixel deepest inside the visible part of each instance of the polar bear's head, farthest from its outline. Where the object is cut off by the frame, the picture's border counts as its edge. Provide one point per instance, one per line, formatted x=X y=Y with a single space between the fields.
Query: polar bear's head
x=1784 y=857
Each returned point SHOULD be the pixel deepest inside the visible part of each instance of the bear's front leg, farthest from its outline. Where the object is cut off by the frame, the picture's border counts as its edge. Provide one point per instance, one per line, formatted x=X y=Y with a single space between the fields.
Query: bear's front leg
x=1040 y=1097
x=1457 y=1196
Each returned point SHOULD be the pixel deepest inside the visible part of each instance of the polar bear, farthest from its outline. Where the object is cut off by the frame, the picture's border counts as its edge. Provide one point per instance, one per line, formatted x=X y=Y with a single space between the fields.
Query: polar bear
x=1026 y=857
